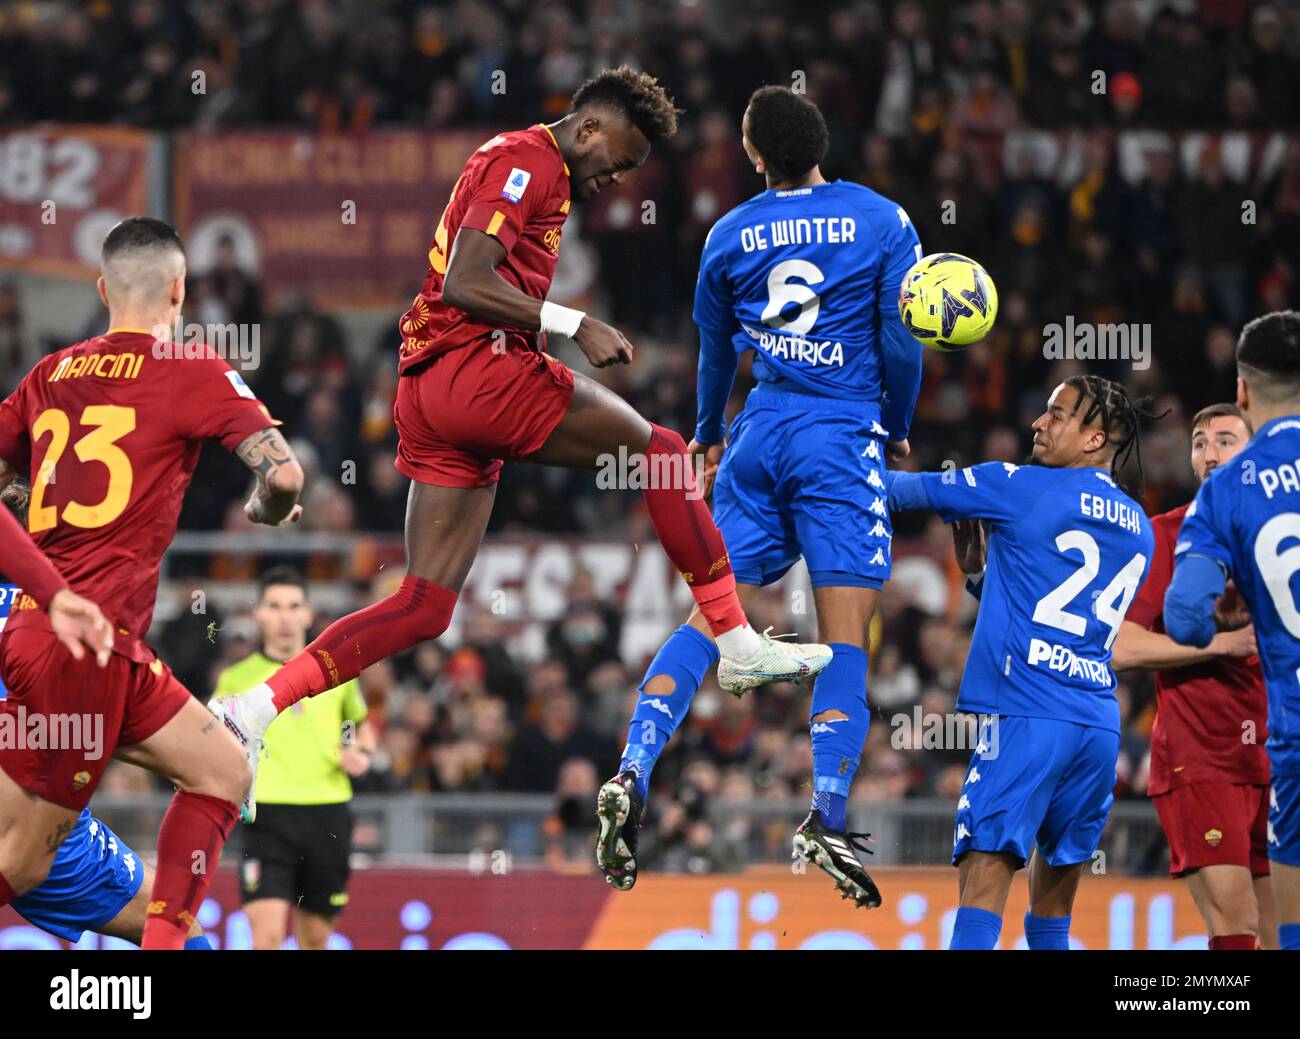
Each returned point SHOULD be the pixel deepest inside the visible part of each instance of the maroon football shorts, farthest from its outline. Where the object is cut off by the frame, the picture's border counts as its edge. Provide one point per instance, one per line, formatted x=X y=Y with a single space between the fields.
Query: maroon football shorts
x=64 y=718
x=1211 y=824
x=466 y=410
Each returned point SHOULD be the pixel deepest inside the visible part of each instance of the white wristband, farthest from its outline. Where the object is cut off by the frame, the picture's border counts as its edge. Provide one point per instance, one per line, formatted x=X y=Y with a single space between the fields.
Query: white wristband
x=560 y=320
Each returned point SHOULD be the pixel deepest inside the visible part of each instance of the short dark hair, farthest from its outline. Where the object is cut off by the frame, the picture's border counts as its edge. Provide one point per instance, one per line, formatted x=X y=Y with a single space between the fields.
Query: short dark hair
x=1213 y=411
x=139 y=232
x=788 y=130
x=1269 y=352
x=280 y=575
x=638 y=95
x=16 y=497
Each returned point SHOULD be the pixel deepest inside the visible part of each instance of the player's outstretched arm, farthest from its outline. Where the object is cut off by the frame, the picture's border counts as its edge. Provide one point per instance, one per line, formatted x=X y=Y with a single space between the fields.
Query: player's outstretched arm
x=472 y=284
x=1138 y=647
x=279 y=478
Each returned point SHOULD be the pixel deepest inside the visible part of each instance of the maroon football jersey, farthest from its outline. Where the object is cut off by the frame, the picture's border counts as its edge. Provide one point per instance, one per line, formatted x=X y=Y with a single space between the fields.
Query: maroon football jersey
x=110 y=435
x=515 y=188
x=1210 y=718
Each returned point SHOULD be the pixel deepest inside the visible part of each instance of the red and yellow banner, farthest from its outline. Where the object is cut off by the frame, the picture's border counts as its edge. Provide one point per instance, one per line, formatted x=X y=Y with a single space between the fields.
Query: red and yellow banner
x=62 y=189
x=347 y=218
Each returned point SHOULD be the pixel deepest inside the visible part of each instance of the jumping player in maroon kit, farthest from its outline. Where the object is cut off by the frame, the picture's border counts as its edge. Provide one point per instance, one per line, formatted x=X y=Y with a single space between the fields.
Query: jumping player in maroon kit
x=1209 y=769
x=110 y=431
x=476 y=387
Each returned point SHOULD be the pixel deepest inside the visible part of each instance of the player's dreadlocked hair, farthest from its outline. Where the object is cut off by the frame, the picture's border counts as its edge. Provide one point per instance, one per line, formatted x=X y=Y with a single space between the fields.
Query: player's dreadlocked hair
x=637 y=95
x=1108 y=404
x=788 y=130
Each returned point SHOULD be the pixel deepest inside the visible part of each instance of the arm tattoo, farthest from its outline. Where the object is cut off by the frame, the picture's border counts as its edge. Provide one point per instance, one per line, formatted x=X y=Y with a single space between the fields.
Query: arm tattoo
x=266 y=453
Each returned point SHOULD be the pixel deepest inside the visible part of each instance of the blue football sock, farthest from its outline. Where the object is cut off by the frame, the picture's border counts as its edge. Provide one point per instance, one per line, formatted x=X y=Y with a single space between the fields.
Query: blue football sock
x=837 y=745
x=1288 y=936
x=685 y=658
x=198 y=943
x=975 y=929
x=1047 y=932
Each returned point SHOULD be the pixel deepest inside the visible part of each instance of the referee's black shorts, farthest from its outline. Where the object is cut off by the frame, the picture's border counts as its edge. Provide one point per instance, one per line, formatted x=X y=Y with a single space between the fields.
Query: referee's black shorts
x=298 y=853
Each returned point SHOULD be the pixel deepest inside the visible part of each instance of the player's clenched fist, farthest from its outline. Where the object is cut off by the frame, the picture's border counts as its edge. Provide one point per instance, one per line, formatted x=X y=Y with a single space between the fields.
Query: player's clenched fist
x=78 y=623
x=712 y=459
x=602 y=344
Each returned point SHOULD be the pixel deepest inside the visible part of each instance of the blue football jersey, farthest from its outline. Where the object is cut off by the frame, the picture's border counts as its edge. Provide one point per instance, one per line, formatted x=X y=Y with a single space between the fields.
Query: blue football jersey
x=8 y=593
x=809 y=278
x=1246 y=517
x=1067 y=552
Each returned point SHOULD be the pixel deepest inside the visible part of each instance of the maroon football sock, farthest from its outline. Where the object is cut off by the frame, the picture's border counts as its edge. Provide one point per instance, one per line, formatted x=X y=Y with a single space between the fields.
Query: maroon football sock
x=417 y=611
x=189 y=848
x=687 y=532
x=1233 y=941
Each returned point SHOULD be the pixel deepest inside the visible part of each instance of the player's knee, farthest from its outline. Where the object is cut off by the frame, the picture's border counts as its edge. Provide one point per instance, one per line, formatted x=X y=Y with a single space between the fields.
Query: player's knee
x=426 y=609
x=666 y=441
x=24 y=873
x=227 y=775
x=659 y=685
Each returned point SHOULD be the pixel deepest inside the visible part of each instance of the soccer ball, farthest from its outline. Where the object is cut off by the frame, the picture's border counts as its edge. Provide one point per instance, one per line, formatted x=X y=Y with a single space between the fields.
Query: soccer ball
x=948 y=301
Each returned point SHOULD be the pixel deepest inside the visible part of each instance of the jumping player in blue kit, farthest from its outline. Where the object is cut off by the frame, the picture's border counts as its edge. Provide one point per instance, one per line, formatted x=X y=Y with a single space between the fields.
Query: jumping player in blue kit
x=1066 y=552
x=97 y=883
x=1244 y=524
x=807 y=275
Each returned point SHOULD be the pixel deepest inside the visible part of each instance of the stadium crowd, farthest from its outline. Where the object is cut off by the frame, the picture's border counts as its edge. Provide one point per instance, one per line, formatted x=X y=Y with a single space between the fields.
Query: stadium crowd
x=920 y=99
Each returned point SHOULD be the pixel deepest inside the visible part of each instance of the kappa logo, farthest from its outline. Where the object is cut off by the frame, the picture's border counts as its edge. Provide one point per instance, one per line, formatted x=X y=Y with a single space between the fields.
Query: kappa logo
x=961 y=833
x=516 y=185
x=872 y=450
x=659 y=705
x=1213 y=836
x=974 y=776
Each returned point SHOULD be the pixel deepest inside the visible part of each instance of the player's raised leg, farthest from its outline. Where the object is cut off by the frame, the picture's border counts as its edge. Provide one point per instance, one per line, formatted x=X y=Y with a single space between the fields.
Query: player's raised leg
x=211 y=774
x=839 y=718
x=667 y=690
x=444 y=526
x=599 y=423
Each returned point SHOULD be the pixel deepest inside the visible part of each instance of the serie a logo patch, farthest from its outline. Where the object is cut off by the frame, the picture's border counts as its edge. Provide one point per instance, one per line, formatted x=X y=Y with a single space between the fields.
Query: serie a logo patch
x=516 y=184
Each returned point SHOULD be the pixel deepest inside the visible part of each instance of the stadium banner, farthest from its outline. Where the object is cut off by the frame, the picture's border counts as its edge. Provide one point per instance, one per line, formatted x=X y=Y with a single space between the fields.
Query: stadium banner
x=344 y=217
x=62 y=188
x=766 y=907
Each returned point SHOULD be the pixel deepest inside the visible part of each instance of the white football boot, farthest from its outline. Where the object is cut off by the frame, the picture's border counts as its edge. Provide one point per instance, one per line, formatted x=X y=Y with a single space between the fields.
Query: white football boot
x=773 y=661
